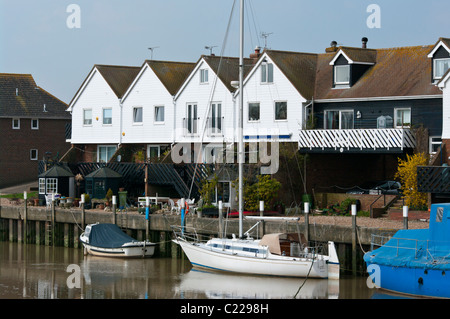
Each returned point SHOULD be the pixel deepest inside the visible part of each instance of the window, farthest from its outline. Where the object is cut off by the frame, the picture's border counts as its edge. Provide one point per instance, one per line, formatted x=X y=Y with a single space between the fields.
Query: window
x=223 y=192
x=107 y=116
x=280 y=110
x=41 y=185
x=267 y=73
x=137 y=114
x=153 y=151
x=104 y=153
x=33 y=154
x=204 y=76
x=51 y=185
x=192 y=119
x=87 y=117
x=16 y=124
x=342 y=74
x=216 y=118
x=336 y=119
x=253 y=111
x=159 y=114
x=440 y=67
x=435 y=143
x=402 y=117
x=34 y=124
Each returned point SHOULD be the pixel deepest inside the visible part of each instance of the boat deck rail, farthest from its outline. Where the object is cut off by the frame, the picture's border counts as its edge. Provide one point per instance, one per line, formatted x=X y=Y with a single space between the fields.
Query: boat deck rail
x=436 y=251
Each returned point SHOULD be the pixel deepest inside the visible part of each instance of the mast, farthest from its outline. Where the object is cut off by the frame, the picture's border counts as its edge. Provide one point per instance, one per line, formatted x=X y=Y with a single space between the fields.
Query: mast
x=241 y=120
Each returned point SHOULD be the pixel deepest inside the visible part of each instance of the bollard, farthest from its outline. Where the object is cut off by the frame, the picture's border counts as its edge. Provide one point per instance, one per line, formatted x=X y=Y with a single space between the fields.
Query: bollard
x=114 y=207
x=182 y=210
x=147 y=218
x=82 y=210
x=354 y=238
x=306 y=206
x=261 y=213
x=25 y=217
x=220 y=219
x=405 y=217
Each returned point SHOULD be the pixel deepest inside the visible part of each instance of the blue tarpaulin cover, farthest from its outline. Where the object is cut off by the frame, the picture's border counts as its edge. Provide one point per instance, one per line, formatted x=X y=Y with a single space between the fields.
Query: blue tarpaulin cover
x=418 y=248
x=108 y=236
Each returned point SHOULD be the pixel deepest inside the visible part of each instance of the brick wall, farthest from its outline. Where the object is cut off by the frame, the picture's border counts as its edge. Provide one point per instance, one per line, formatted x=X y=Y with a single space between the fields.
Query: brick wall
x=15 y=164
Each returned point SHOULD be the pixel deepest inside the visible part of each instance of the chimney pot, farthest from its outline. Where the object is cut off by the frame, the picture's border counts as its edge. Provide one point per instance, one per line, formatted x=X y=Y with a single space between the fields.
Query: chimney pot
x=364 y=42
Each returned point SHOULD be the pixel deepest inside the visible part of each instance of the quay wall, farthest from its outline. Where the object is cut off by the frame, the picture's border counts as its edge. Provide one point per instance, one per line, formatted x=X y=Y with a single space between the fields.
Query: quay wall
x=34 y=225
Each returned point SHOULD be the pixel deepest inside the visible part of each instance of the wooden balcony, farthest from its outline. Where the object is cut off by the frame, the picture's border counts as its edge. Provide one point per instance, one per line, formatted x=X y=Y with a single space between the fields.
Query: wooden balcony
x=389 y=140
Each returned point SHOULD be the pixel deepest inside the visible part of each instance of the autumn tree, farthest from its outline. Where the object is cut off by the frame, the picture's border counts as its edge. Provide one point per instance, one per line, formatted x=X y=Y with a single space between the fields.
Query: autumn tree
x=407 y=174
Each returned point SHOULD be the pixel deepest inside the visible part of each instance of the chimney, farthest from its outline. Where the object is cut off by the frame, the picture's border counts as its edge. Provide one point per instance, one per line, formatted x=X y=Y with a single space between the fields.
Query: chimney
x=364 y=42
x=332 y=48
x=255 y=56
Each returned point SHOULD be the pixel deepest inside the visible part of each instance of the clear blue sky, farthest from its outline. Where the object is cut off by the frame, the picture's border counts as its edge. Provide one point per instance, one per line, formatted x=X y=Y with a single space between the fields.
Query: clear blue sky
x=35 y=38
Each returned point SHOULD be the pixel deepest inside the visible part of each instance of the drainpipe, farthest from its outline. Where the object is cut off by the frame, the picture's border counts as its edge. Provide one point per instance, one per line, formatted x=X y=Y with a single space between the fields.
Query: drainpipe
x=120 y=121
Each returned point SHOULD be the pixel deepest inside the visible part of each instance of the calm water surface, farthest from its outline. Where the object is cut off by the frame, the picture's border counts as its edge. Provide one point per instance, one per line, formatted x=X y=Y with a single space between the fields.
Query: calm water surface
x=41 y=272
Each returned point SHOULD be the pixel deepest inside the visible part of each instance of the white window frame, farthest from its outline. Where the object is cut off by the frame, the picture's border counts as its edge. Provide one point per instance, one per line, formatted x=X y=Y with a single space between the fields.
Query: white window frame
x=396 y=117
x=36 y=155
x=41 y=185
x=192 y=120
x=51 y=185
x=87 y=119
x=106 y=146
x=340 y=119
x=37 y=124
x=341 y=67
x=103 y=116
x=434 y=140
x=14 y=126
x=163 y=114
x=267 y=72
x=204 y=76
x=153 y=146
x=438 y=77
x=135 y=108
x=275 y=111
x=259 y=112
x=216 y=116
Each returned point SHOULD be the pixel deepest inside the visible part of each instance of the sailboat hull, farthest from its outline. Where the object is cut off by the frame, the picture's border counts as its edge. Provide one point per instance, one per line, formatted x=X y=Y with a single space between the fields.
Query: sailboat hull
x=202 y=257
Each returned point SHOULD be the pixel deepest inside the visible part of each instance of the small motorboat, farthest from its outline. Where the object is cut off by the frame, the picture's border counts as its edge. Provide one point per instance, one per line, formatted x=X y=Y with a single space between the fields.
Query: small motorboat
x=109 y=240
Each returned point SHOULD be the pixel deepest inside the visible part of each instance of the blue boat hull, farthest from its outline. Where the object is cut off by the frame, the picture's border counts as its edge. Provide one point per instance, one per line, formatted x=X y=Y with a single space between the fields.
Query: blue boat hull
x=413 y=281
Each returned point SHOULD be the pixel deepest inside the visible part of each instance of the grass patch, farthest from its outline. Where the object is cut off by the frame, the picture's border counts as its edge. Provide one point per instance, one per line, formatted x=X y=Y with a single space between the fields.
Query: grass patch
x=20 y=195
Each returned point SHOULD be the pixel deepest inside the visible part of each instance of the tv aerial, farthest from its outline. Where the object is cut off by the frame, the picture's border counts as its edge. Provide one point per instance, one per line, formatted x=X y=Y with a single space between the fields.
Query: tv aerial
x=151 y=49
x=210 y=48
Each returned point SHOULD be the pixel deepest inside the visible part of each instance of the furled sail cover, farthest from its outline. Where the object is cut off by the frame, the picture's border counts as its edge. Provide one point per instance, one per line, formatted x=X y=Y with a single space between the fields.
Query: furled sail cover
x=108 y=236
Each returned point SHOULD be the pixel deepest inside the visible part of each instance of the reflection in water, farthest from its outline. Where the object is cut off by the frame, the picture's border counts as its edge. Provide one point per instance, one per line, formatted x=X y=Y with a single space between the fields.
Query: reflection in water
x=40 y=272
x=225 y=286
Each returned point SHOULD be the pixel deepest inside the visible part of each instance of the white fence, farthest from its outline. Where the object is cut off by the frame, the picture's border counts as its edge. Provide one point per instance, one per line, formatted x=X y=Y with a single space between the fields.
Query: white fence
x=362 y=139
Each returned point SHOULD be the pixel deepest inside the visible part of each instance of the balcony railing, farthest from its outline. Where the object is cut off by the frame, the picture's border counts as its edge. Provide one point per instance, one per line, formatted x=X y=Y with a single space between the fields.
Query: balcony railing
x=389 y=139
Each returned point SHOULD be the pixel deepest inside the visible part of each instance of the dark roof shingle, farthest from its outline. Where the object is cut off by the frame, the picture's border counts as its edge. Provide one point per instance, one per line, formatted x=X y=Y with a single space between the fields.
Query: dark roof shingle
x=21 y=97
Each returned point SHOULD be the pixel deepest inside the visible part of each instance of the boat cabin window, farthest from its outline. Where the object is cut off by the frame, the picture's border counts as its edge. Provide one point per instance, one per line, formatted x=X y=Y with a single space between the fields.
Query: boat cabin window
x=87 y=231
x=439 y=214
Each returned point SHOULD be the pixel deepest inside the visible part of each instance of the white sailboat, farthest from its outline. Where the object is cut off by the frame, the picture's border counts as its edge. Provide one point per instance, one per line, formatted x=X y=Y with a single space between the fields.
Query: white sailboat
x=273 y=254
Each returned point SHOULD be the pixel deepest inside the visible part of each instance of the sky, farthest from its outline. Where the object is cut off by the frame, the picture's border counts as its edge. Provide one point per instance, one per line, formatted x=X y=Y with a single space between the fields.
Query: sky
x=59 y=45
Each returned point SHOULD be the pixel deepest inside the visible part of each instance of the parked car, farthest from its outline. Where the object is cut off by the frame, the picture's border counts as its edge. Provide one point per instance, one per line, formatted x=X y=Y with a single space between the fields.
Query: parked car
x=377 y=188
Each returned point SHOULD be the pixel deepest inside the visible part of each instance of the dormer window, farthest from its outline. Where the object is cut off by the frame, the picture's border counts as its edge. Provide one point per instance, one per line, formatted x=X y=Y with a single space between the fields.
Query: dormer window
x=440 y=66
x=342 y=74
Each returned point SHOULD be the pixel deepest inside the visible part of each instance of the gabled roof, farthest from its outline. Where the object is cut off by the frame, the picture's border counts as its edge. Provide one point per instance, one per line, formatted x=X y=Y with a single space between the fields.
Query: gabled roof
x=299 y=68
x=56 y=171
x=21 y=97
x=118 y=77
x=356 y=55
x=442 y=42
x=171 y=74
x=104 y=172
x=227 y=68
x=397 y=72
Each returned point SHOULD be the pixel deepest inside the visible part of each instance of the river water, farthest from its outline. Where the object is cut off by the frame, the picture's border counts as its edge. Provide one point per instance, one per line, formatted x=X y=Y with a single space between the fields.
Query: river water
x=41 y=272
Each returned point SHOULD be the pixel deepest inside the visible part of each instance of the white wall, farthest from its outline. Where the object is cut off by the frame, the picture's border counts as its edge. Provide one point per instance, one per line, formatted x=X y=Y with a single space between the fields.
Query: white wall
x=446 y=109
x=203 y=94
x=148 y=92
x=267 y=94
x=96 y=95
